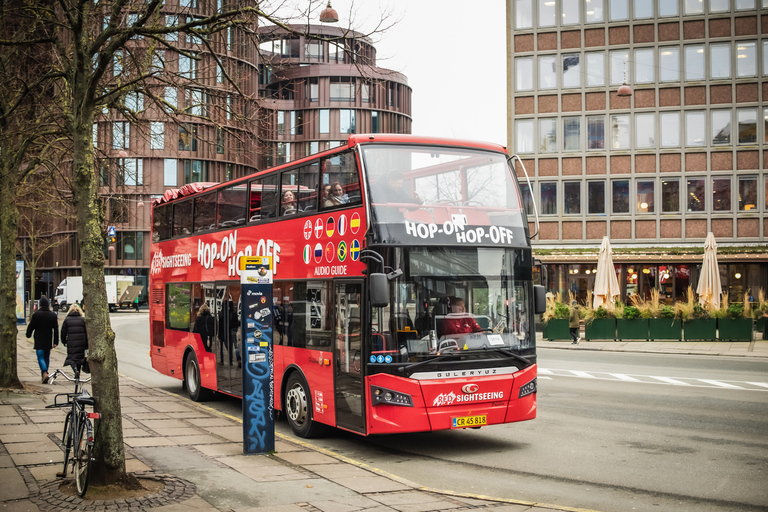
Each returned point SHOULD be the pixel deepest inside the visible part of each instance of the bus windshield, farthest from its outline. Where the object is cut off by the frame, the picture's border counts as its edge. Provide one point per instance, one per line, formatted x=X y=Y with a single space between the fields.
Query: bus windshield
x=443 y=195
x=455 y=299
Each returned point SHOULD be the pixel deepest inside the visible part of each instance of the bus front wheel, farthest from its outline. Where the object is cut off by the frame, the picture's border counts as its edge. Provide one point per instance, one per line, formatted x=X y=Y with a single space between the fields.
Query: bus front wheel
x=195 y=390
x=297 y=407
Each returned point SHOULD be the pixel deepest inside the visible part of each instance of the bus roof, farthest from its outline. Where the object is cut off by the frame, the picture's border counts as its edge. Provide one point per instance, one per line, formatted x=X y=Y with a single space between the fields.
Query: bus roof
x=354 y=140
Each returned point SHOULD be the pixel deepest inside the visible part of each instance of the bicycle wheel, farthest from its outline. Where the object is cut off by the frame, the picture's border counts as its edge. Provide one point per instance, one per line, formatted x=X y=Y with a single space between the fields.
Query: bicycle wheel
x=66 y=441
x=82 y=456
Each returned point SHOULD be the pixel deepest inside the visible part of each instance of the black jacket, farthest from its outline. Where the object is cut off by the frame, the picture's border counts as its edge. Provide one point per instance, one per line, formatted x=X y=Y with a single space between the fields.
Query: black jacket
x=75 y=338
x=45 y=325
x=204 y=327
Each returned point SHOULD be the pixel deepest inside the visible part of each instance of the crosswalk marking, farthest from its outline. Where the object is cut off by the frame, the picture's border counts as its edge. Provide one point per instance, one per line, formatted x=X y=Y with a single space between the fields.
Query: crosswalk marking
x=551 y=373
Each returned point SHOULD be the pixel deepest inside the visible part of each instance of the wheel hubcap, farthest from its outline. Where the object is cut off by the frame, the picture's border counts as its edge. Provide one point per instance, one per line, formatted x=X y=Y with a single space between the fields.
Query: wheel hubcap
x=192 y=377
x=297 y=405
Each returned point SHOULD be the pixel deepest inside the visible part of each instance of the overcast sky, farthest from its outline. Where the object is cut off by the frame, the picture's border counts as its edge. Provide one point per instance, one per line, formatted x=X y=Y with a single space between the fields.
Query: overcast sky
x=454 y=55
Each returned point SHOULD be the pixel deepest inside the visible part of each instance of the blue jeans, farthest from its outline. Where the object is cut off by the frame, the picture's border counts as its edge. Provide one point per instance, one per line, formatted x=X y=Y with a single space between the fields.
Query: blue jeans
x=43 y=359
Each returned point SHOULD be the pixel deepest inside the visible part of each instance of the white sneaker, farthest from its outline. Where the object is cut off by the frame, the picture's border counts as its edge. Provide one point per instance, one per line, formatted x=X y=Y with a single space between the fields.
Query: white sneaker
x=578 y=340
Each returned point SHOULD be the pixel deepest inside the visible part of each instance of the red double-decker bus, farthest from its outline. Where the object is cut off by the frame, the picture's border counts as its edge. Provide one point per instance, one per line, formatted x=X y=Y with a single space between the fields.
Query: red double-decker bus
x=403 y=296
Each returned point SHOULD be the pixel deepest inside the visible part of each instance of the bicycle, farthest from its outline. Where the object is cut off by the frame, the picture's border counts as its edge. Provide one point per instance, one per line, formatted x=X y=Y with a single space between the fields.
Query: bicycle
x=78 y=430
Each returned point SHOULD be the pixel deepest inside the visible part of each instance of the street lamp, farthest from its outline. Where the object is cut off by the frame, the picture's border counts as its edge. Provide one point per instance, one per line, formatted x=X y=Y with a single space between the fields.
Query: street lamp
x=329 y=15
x=624 y=90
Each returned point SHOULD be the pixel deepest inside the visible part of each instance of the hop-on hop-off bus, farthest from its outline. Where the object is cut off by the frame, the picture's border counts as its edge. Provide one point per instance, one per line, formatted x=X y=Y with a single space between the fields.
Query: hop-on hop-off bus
x=403 y=295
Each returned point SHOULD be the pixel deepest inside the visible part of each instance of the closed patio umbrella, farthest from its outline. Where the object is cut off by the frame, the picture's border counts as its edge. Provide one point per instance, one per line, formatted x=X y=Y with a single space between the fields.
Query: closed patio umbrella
x=709 y=288
x=606 y=285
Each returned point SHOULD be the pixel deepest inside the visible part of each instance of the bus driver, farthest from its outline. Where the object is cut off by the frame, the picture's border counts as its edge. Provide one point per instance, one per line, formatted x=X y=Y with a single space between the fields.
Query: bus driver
x=458 y=321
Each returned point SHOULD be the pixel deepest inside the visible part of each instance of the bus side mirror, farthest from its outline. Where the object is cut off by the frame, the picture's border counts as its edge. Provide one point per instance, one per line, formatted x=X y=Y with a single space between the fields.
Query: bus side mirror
x=379 y=289
x=539 y=299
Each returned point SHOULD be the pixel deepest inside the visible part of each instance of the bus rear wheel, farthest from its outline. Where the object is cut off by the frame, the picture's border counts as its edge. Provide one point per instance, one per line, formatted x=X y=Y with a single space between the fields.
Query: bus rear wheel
x=297 y=407
x=196 y=392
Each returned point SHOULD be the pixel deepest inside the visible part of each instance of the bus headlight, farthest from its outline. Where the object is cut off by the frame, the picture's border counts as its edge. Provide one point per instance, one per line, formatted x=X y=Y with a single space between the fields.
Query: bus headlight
x=527 y=389
x=386 y=396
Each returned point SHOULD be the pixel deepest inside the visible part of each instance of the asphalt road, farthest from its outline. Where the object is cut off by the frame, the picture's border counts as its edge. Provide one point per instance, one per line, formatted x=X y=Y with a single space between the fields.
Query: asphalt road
x=615 y=432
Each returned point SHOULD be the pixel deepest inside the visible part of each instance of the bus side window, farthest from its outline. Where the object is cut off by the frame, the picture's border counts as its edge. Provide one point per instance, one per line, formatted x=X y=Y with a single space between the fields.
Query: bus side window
x=231 y=205
x=182 y=218
x=205 y=212
x=289 y=181
x=308 y=187
x=269 y=197
x=342 y=170
x=162 y=223
x=255 y=201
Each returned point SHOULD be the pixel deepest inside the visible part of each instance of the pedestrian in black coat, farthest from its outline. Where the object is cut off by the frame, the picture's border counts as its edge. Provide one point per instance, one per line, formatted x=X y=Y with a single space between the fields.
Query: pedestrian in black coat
x=75 y=338
x=204 y=326
x=45 y=326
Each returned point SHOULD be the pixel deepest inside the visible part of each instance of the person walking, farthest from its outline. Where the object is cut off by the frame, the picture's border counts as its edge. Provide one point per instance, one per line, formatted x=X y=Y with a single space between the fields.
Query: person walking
x=45 y=327
x=75 y=337
x=574 y=322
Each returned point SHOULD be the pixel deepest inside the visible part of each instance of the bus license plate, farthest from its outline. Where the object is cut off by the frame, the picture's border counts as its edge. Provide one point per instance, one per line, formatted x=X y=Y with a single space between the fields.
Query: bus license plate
x=469 y=421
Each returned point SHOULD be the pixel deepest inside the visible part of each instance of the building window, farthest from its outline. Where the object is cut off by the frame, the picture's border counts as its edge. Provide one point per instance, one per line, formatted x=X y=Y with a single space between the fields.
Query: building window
x=695 y=197
x=130 y=171
x=313 y=50
x=694 y=62
x=187 y=139
x=720 y=60
x=524 y=74
x=719 y=5
x=765 y=125
x=670 y=196
x=524 y=136
x=220 y=142
x=747 y=125
x=572 y=197
x=620 y=131
x=667 y=8
x=342 y=89
x=596 y=198
x=645 y=196
x=195 y=171
x=765 y=57
x=594 y=12
x=693 y=7
x=547 y=72
x=313 y=89
x=669 y=63
x=297 y=122
x=347 y=121
x=366 y=95
x=572 y=70
x=130 y=245
x=188 y=66
x=527 y=199
x=134 y=101
x=645 y=131
x=645 y=69
x=746 y=58
x=596 y=132
x=747 y=194
x=547 y=135
x=570 y=12
x=721 y=127
x=170 y=172
x=194 y=102
x=546 y=13
x=695 y=129
x=549 y=198
x=643 y=9
x=619 y=60
x=572 y=133
x=121 y=135
x=171 y=97
x=375 y=121
x=743 y=5
x=523 y=14
x=156 y=135
x=721 y=194
x=325 y=120
x=620 y=196
x=95 y=135
x=595 y=69
x=619 y=10
x=670 y=129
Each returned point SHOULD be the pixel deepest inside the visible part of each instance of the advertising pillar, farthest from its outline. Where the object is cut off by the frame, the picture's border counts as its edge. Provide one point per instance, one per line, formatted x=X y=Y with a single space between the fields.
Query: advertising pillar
x=256 y=325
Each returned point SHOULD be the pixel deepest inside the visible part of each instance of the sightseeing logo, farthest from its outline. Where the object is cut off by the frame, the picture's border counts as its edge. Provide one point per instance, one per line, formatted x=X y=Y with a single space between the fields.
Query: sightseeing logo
x=458 y=228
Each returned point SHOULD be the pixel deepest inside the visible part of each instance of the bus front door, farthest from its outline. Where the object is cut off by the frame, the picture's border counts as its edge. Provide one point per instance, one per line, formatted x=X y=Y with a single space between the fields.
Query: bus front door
x=226 y=346
x=348 y=381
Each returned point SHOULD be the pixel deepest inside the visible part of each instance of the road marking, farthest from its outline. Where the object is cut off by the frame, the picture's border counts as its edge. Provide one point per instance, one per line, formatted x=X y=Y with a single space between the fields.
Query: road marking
x=583 y=374
x=721 y=384
x=623 y=377
x=544 y=371
x=763 y=384
x=671 y=381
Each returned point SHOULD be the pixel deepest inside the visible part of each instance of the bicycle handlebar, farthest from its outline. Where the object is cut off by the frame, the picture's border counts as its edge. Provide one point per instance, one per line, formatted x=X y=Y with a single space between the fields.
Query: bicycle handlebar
x=75 y=379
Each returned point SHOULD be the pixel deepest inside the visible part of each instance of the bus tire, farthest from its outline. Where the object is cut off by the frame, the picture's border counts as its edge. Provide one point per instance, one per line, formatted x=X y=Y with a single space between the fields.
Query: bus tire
x=297 y=407
x=196 y=392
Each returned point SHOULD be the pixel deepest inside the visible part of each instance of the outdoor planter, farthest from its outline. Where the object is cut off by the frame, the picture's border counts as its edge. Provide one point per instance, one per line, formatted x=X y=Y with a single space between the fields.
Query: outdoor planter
x=600 y=329
x=760 y=328
x=556 y=329
x=700 y=329
x=735 y=329
x=665 y=329
x=635 y=329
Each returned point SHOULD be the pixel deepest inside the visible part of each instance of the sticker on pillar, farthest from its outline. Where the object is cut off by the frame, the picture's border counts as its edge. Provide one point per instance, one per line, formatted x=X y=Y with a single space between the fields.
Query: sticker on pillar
x=319 y=402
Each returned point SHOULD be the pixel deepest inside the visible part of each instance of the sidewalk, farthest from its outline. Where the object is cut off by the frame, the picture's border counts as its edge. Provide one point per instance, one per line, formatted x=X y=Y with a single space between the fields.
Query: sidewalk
x=195 y=455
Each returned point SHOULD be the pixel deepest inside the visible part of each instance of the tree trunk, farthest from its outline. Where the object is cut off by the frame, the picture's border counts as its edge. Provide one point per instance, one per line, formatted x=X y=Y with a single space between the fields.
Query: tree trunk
x=109 y=450
x=9 y=220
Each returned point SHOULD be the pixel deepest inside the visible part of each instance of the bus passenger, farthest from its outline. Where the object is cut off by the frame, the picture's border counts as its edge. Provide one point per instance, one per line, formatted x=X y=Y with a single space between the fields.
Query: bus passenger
x=458 y=321
x=288 y=205
x=336 y=196
x=204 y=326
x=393 y=191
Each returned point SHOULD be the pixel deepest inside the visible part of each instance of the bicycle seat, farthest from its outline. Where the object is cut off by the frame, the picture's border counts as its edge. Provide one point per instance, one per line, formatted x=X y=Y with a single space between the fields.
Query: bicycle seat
x=84 y=398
